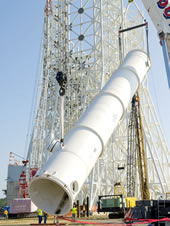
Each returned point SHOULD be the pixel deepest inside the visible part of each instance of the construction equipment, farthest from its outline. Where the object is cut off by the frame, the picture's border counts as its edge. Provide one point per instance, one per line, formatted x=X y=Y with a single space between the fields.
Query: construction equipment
x=89 y=63
x=132 y=151
x=20 y=205
x=159 y=14
x=119 y=190
x=55 y=186
x=68 y=186
x=136 y=152
x=152 y=209
x=141 y=153
x=114 y=204
x=23 y=186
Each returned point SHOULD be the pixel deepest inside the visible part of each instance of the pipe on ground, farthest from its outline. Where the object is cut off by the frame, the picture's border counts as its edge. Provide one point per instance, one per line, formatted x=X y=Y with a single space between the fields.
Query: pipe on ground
x=56 y=185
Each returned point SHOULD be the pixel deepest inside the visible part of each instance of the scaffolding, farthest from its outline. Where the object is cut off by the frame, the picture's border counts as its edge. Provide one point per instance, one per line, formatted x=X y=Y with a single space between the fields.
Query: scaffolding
x=81 y=39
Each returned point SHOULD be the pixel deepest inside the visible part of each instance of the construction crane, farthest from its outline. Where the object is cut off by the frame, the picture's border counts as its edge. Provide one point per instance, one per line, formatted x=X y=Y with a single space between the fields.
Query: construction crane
x=141 y=153
x=159 y=12
x=132 y=151
x=136 y=152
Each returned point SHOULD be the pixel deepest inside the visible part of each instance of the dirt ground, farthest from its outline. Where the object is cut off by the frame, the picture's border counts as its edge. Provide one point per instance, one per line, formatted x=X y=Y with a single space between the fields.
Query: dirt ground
x=50 y=221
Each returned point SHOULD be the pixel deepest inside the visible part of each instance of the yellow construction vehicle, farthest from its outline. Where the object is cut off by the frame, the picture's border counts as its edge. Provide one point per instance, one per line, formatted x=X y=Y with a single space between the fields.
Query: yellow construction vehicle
x=119 y=190
x=142 y=166
x=136 y=156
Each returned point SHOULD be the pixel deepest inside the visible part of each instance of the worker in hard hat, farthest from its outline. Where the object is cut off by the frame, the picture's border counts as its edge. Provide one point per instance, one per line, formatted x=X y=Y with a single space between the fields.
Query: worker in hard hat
x=39 y=215
x=74 y=212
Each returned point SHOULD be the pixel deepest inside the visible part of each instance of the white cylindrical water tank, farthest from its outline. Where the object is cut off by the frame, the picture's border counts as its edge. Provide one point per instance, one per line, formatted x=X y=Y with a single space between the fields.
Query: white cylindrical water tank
x=56 y=185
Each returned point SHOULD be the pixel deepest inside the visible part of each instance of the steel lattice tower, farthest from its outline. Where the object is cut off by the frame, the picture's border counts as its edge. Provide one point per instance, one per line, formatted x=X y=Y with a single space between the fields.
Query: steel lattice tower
x=81 y=38
x=132 y=150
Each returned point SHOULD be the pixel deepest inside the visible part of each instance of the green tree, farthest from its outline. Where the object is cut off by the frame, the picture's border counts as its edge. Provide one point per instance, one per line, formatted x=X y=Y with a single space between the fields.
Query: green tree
x=3 y=202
